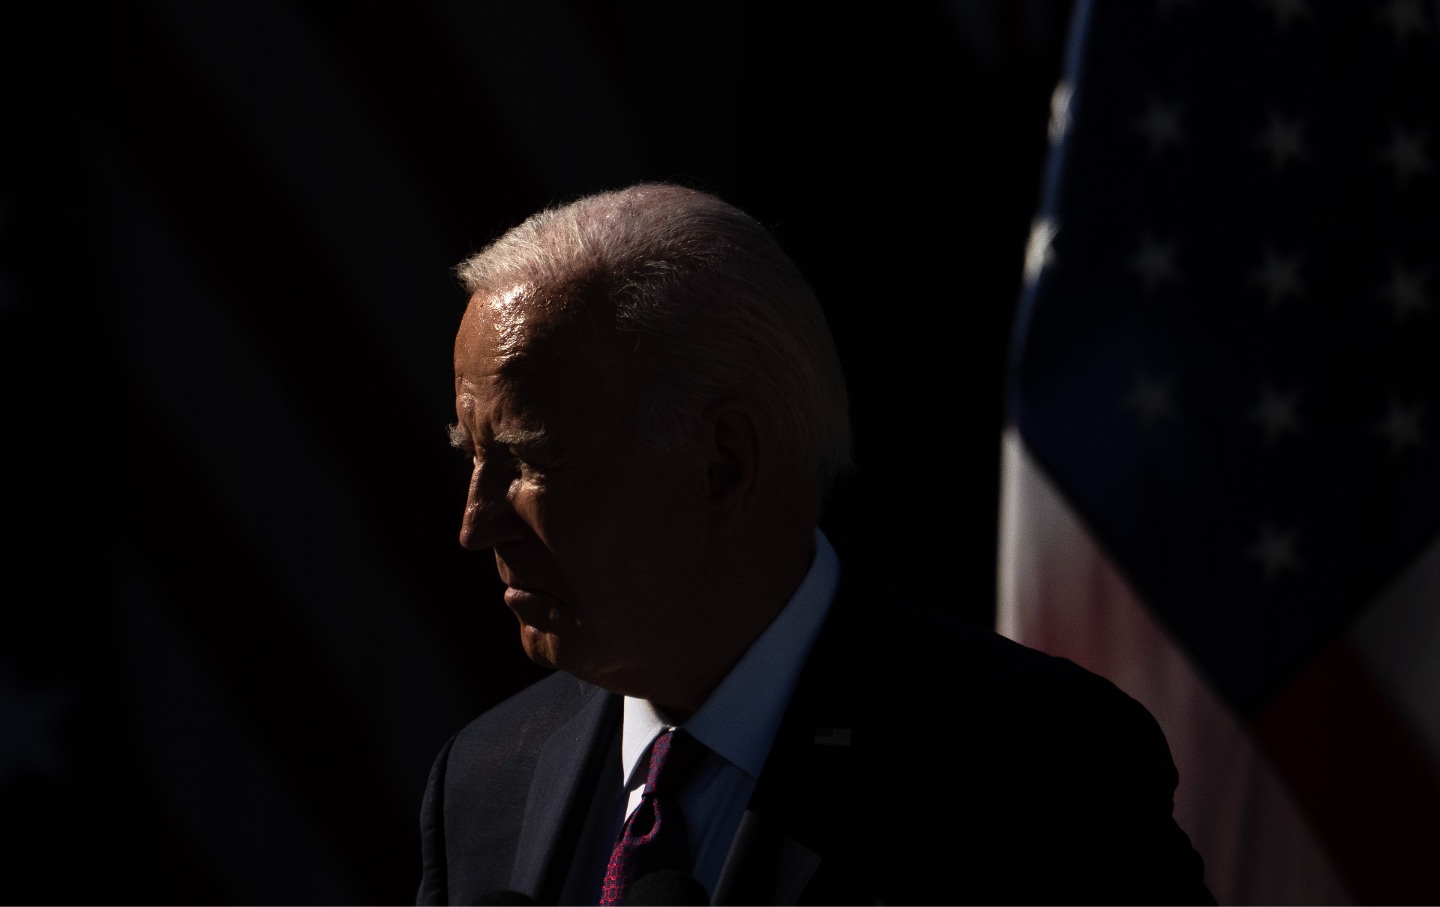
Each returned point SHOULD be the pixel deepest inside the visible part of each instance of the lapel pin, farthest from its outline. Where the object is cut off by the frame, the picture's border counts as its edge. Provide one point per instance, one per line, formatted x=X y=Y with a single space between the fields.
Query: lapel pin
x=832 y=736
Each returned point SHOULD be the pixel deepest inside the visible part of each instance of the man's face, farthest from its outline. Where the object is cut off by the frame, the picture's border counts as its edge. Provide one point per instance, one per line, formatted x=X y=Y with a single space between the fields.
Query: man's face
x=596 y=540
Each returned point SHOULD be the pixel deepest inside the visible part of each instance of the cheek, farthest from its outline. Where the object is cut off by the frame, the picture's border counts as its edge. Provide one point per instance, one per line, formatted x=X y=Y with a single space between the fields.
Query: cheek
x=531 y=505
x=662 y=525
x=617 y=540
x=577 y=529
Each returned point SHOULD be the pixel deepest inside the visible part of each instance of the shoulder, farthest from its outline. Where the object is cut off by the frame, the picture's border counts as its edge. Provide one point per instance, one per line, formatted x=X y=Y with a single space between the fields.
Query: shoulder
x=522 y=723
x=505 y=740
x=926 y=662
x=1008 y=674
x=475 y=801
x=491 y=760
x=1068 y=780
x=1019 y=706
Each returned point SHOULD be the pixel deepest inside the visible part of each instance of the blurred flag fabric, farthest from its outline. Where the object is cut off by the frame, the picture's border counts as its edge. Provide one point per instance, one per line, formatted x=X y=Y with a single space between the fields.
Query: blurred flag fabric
x=1221 y=485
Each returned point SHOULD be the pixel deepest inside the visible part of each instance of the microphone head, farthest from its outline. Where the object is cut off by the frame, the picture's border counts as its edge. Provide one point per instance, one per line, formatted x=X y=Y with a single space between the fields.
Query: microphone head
x=668 y=886
x=505 y=897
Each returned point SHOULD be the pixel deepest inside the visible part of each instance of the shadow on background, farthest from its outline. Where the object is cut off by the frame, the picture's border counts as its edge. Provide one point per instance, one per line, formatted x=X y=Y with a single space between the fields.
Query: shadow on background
x=237 y=625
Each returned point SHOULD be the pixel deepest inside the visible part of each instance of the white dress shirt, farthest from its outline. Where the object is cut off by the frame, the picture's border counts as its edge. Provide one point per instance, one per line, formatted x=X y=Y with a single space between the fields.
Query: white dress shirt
x=737 y=724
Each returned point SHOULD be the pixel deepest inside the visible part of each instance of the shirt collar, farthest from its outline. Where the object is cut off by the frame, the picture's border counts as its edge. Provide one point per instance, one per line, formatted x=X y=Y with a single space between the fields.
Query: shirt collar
x=741 y=717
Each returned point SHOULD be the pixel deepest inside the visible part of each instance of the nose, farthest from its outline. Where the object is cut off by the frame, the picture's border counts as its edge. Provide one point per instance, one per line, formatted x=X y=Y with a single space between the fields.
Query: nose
x=488 y=518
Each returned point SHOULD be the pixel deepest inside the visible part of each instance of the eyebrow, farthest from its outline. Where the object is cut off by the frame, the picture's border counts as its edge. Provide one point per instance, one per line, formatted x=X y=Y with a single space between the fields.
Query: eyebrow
x=506 y=437
x=459 y=437
x=513 y=437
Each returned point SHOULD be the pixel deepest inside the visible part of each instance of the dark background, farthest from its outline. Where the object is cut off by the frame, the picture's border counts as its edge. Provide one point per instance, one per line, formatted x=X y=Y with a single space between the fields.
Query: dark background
x=236 y=625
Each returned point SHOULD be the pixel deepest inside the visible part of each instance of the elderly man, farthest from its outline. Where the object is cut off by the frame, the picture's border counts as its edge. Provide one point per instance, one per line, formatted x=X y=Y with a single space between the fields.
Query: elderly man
x=655 y=411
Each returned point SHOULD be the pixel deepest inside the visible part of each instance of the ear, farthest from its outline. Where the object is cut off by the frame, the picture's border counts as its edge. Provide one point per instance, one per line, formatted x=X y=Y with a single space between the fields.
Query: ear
x=734 y=460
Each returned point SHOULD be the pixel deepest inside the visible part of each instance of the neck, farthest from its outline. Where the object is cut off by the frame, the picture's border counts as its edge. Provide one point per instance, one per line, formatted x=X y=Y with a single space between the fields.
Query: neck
x=752 y=591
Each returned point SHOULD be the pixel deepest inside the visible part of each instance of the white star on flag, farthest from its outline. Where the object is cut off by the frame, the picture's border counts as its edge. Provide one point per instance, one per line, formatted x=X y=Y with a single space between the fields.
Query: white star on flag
x=1160 y=124
x=1283 y=138
x=1279 y=275
x=1406 y=291
x=1276 y=551
x=1406 y=154
x=1276 y=412
x=1154 y=261
x=1401 y=427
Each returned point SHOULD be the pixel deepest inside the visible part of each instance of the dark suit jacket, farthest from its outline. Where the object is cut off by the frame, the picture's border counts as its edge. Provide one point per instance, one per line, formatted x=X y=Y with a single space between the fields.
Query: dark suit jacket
x=921 y=760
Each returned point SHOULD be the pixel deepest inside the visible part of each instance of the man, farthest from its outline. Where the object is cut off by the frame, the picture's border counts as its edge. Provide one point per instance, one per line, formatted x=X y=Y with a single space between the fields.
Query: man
x=655 y=411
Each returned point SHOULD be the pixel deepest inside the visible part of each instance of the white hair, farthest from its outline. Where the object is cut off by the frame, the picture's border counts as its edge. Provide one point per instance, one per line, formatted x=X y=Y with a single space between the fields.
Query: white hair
x=716 y=306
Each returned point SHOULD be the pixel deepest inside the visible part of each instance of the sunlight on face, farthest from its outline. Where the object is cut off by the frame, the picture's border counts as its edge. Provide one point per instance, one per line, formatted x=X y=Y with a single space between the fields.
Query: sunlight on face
x=595 y=538
x=509 y=313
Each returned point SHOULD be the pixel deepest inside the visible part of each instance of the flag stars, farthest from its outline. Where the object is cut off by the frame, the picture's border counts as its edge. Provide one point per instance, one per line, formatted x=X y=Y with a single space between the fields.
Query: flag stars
x=1154 y=261
x=1151 y=399
x=1276 y=550
x=1287 y=11
x=1276 y=412
x=1405 y=18
x=1406 y=292
x=1283 y=138
x=1401 y=427
x=1279 y=276
x=1406 y=154
x=1160 y=125
x=1040 y=248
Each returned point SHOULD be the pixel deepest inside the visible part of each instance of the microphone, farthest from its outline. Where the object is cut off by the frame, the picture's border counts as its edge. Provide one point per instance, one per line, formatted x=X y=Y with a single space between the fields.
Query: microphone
x=505 y=897
x=668 y=886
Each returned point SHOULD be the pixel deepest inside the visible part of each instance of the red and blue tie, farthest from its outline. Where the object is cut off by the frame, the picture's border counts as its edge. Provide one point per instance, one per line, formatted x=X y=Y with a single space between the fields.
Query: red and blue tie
x=654 y=836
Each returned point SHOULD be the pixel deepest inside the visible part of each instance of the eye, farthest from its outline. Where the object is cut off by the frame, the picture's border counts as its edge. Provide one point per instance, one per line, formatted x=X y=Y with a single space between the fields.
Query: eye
x=521 y=459
x=527 y=462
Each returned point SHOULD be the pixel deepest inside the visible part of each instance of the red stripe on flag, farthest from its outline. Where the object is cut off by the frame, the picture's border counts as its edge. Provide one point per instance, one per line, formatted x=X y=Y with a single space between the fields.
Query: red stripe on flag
x=1361 y=776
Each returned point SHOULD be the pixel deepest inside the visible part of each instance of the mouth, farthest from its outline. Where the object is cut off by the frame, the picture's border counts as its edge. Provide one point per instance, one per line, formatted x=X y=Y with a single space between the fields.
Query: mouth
x=531 y=605
x=520 y=592
x=529 y=602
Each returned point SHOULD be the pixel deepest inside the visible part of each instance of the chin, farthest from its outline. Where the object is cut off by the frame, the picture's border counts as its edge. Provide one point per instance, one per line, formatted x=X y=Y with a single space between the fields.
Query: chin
x=552 y=650
x=541 y=647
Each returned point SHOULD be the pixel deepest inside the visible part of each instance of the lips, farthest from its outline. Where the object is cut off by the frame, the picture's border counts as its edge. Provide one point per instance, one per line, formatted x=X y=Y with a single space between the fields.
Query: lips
x=523 y=588
x=520 y=592
x=539 y=610
x=509 y=575
x=529 y=603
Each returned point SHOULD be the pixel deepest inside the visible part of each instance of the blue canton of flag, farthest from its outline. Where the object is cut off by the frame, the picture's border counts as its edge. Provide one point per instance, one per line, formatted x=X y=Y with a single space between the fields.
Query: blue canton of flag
x=1228 y=352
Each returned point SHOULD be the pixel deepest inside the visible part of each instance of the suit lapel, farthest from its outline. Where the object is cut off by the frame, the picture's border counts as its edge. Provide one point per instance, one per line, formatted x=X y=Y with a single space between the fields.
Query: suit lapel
x=565 y=771
x=823 y=752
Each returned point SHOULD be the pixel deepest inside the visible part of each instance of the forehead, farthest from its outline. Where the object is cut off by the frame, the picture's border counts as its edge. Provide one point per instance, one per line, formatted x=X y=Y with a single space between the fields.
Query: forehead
x=529 y=350
x=524 y=320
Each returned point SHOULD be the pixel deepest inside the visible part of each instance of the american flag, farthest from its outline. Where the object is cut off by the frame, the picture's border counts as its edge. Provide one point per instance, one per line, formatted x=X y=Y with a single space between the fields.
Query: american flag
x=1222 y=486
